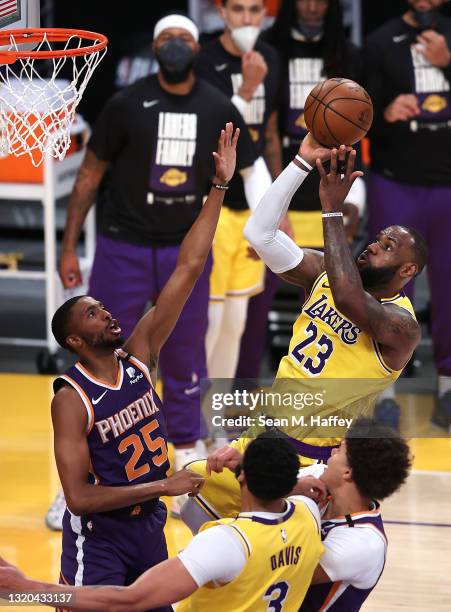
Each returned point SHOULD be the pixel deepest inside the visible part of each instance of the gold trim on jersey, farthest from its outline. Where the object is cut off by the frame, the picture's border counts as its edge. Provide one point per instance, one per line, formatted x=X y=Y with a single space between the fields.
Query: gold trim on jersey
x=245 y=541
x=380 y=358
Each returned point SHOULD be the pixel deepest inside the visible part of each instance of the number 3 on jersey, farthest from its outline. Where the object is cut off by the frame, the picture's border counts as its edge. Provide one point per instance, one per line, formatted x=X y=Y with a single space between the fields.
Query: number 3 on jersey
x=313 y=365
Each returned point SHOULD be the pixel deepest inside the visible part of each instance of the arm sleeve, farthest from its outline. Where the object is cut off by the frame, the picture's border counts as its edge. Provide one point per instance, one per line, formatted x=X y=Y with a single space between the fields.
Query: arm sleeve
x=214 y=555
x=355 y=555
x=278 y=251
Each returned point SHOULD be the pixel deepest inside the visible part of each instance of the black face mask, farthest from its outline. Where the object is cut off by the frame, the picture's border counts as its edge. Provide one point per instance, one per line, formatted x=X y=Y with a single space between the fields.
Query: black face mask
x=426 y=20
x=176 y=59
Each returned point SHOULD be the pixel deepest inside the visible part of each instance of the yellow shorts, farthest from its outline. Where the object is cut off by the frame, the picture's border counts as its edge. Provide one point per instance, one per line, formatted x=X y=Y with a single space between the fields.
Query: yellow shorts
x=220 y=496
x=307 y=228
x=234 y=274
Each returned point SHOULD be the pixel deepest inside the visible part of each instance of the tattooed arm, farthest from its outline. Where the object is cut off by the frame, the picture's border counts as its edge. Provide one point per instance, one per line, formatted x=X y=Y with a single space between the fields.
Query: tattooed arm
x=392 y=327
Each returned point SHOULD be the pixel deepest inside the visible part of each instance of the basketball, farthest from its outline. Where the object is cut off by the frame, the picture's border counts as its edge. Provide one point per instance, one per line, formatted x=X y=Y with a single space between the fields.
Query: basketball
x=338 y=111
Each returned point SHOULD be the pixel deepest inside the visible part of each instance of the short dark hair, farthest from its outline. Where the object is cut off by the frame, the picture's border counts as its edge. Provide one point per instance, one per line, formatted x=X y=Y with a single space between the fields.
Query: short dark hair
x=60 y=321
x=379 y=457
x=419 y=247
x=270 y=466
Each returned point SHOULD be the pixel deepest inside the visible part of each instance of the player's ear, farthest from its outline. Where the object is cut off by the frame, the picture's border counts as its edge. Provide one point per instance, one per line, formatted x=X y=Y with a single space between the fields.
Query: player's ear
x=347 y=474
x=73 y=342
x=408 y=270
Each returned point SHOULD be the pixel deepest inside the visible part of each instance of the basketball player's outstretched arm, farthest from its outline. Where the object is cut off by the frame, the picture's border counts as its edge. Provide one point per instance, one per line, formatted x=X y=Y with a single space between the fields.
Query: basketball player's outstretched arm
x=154 y=328
x=73 y=463
x=280 y=253
x=166 y=583
x=391 y=326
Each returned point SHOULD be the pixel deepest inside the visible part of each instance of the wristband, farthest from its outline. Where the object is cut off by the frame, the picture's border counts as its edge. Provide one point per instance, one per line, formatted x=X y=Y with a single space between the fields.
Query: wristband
x=327 y=215
x=306 y=164
x=220 y=187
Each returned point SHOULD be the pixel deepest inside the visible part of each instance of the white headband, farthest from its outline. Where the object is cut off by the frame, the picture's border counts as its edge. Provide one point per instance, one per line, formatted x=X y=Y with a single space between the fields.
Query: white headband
x=176 y=21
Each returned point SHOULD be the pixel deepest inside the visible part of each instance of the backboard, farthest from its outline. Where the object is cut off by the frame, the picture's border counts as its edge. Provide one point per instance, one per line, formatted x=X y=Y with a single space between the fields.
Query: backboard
x=17 y=14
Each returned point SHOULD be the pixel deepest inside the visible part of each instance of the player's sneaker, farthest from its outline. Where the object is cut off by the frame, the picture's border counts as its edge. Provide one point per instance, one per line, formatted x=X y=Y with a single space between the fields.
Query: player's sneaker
x=54 y=516
x=387 y=411
x=441 y=417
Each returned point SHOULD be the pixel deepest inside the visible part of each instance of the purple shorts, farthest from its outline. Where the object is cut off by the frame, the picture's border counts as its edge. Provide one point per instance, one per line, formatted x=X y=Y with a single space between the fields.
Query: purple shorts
x=101 y=549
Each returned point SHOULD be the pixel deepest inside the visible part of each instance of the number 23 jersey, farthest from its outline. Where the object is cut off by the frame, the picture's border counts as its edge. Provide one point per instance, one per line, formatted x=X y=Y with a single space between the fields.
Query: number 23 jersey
x=126 y=431
x=327 y=345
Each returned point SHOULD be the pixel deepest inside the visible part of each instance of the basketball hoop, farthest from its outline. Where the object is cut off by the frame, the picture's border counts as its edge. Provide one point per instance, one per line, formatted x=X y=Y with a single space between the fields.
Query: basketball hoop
x=36 y=111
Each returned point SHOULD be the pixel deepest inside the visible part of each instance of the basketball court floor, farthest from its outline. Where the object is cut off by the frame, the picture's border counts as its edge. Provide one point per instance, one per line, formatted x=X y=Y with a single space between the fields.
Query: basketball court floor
x=418 y=518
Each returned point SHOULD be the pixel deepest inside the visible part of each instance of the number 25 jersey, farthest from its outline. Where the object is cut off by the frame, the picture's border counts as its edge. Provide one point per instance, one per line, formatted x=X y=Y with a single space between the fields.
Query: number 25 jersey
x=327 y=345
x=126 y=431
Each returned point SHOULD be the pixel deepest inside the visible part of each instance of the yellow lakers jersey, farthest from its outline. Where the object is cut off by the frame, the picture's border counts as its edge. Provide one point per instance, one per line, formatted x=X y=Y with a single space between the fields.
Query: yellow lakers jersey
x=282 y=555
x=332 y=361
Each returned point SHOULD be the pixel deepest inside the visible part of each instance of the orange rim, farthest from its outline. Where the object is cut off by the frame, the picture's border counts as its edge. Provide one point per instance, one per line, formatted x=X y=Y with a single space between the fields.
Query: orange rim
x=36 y=35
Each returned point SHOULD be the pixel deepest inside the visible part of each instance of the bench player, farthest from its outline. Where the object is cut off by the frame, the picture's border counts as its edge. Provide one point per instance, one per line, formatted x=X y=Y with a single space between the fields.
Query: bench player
x=356 y=330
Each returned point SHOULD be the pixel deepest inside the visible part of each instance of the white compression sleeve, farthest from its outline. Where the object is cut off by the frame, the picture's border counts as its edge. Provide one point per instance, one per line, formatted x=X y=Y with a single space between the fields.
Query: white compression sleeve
x=256 y=181
x=279 y=252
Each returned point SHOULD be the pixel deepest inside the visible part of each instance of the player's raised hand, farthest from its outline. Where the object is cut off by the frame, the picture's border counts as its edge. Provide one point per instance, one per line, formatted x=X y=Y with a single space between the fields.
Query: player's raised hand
x=311 y=150
x=334 y=187
x=183 y=481
x=225 y=457
x=225 y=156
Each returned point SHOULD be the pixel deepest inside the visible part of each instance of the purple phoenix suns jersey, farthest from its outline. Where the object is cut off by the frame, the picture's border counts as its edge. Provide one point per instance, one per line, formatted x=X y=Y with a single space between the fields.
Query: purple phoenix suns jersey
x=342 y=596
x=126 y=431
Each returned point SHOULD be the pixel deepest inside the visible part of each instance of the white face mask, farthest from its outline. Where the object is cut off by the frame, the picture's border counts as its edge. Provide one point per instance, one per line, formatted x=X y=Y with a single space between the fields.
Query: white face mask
x=245 y=37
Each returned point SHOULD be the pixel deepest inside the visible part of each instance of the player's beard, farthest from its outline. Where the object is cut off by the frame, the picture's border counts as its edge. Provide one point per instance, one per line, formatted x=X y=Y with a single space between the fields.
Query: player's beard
x=100 y=341
x=377 y=278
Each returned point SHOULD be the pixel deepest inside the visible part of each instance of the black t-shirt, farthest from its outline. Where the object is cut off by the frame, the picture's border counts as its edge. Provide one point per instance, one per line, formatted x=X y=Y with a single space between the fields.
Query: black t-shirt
x=223 y=70
x=160 y=147
x=302 y=71
x=417 y=151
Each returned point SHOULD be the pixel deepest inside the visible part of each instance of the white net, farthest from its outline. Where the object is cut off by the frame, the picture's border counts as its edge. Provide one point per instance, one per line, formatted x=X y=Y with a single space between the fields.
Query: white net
x=36 y=112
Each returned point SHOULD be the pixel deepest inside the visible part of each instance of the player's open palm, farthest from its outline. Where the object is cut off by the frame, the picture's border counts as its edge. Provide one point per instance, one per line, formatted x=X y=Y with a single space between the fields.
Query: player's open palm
x=183 y=481
x=225 y=156
x=334 y=186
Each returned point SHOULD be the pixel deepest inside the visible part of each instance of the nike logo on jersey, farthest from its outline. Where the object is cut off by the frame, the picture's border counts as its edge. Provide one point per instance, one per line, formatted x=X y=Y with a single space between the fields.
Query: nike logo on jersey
x=221 y=67
x=96 y=401
x=398 y=39
x=149 y=103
